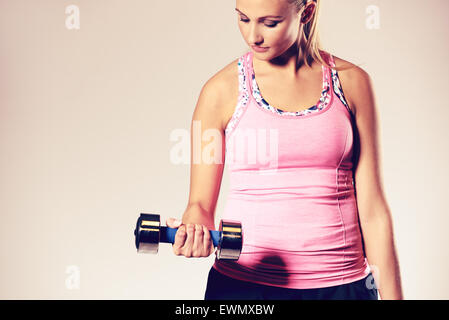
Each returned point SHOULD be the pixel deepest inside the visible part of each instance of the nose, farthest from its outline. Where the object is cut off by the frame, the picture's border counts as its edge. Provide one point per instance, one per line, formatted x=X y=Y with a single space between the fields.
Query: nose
x=254 y=35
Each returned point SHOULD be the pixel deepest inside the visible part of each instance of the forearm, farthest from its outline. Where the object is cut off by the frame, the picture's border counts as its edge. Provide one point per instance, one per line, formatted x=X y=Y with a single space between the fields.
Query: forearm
x=194 y=213
x=381 y=254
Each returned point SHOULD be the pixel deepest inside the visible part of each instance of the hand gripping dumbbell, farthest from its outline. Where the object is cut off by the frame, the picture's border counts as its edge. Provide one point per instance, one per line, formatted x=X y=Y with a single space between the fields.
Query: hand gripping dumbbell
x=149 y=234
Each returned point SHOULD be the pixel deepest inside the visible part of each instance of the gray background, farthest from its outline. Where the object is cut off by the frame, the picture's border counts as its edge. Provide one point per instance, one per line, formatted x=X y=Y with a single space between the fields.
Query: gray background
x=86 y=116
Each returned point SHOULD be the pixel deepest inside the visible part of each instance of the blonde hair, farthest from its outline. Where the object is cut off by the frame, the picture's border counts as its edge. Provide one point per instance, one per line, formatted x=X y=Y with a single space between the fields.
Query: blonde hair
x=309 y=44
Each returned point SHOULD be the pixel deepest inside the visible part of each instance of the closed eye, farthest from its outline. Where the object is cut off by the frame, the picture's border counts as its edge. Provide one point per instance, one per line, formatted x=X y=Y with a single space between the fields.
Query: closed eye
x=268 y=25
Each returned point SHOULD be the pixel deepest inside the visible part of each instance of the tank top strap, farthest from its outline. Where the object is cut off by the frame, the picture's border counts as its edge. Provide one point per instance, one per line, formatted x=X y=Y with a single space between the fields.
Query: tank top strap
x=243 y=75
x=243 y=97
x=336 y=85
x=248 y=63
x=331 y=60
x=327 y=71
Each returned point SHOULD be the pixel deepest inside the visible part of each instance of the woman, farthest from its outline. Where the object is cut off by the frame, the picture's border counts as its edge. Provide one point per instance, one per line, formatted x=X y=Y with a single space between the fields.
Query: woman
x=315 y=220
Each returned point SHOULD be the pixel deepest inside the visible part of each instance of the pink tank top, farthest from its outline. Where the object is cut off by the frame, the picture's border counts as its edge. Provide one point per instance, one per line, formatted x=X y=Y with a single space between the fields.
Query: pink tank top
x=291 y=186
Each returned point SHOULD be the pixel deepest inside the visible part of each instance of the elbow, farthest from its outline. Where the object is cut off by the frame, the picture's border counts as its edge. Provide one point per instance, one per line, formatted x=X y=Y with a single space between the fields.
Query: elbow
x=377 y=216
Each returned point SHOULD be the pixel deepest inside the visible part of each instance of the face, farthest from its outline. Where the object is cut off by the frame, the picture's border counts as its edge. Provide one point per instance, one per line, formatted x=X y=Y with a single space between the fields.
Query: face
x=273 y=25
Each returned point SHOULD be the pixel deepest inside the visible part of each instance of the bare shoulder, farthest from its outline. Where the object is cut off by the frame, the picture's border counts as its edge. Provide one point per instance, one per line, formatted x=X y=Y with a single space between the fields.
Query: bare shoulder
x=223 y=87
x=225 y=79
x=354 y=80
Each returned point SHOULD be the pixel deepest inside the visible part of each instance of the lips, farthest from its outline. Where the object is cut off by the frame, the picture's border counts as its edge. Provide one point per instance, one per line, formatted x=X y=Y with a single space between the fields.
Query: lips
x=259 y=49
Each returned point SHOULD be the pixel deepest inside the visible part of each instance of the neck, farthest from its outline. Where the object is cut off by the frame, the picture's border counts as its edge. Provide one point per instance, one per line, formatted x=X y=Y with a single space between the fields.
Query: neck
x=288 y=63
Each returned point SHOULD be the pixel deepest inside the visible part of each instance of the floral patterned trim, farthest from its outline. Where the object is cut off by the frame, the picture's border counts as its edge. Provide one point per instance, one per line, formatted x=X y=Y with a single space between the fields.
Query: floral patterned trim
x=245 y=59
x=243 y=96
x=322 y=103
x=337 y=86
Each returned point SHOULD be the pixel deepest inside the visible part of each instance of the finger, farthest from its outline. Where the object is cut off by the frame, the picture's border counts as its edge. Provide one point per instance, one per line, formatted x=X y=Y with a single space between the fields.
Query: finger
x=169 y=222
x=173 y=222
x=197 y=250
x=187 y=248
x=207 y=243
x=180 y=239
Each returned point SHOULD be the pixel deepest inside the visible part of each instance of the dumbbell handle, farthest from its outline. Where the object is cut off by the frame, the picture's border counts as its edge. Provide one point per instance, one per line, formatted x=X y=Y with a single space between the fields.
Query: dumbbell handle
x=149 y=233
x=167 y=235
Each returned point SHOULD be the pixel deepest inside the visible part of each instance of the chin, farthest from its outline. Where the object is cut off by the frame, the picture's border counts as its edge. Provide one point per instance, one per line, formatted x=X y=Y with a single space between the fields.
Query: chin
x=262 y=55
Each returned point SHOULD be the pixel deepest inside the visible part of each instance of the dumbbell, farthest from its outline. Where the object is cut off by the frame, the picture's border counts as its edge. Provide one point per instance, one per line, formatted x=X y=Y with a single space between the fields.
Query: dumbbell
x=149 y=234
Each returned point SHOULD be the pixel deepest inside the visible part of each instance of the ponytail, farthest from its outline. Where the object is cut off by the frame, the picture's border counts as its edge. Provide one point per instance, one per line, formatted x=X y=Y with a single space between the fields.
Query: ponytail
x=309 y=43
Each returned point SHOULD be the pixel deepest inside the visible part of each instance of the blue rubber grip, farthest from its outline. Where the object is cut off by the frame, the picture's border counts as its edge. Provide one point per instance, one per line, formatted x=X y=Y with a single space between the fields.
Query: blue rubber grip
x=167 y=235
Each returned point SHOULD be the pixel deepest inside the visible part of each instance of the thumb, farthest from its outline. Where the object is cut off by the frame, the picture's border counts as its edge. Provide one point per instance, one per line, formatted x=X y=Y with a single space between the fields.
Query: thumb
x=173 y=222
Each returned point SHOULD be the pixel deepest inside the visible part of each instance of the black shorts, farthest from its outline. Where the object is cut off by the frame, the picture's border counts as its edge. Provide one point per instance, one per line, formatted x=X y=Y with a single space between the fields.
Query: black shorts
x=222 y=287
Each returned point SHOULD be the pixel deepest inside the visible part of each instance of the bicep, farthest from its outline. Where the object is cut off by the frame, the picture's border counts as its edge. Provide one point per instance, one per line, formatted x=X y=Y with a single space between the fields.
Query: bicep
x=207 y=149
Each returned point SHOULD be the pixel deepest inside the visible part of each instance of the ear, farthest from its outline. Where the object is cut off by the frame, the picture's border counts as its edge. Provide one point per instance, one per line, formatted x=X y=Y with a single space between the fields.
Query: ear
x=308 y=12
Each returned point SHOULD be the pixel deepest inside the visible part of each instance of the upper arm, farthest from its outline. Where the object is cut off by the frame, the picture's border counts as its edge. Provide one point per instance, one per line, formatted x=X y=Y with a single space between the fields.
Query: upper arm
x=207 y=147
x=368 y=173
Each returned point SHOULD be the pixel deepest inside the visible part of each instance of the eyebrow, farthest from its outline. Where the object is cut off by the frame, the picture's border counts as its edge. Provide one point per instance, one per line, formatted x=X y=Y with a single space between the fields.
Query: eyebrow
x=260 y=17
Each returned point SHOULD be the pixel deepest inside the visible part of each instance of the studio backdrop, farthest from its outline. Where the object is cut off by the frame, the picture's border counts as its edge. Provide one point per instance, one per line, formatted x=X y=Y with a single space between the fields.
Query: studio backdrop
x=96 y=98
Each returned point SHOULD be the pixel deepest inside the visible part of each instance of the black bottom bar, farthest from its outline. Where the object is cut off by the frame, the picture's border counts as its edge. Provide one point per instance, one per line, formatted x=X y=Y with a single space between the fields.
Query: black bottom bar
x=227 y=309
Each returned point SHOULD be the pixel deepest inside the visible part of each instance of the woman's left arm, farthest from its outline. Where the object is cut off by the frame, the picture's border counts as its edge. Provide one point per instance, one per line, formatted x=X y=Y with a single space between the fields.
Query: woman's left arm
x=374 y=213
